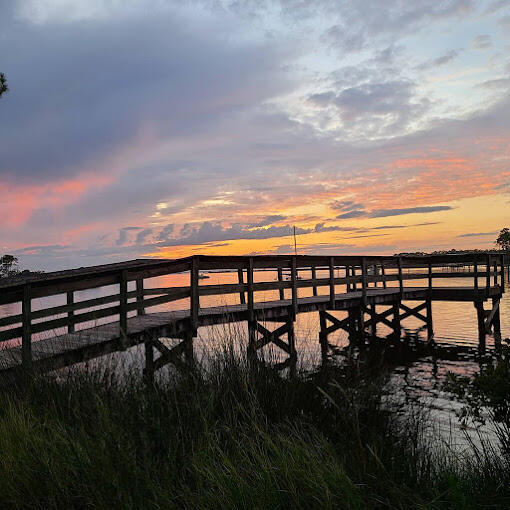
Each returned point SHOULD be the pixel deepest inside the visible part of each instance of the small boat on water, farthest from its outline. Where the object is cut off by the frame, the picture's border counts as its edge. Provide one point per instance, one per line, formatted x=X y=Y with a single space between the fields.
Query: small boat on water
x=203 y=277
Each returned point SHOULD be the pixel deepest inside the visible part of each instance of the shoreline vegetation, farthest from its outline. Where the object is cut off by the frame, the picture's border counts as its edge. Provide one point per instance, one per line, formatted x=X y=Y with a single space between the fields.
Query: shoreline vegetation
x=231 y=434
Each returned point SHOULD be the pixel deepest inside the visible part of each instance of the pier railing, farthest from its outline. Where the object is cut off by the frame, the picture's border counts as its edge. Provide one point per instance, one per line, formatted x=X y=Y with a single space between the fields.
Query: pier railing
x=290 y=274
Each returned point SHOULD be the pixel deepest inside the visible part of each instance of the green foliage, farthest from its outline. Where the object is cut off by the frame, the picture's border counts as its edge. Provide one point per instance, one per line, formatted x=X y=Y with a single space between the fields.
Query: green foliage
x=503 y=240
x=231 y=436
x=3 y=84
x=487 y=395
x=8 y=266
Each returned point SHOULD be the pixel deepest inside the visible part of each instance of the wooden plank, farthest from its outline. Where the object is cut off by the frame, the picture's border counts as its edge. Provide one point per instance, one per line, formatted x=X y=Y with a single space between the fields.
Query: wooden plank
x=293 y=277
x=400 y=276
x=249 y=277
x=140 y=310
x=26 y=336
x=240 y=277
x=195 y=296
x=332 y=282
x=280 y=280
x=123 y=309
x=364 y=281
x=70 y=302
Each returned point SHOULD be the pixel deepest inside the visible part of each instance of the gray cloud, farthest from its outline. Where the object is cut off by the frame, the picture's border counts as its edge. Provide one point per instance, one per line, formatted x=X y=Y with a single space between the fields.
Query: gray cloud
x=478 y=234
x=141 y=237
x=374 y=108
x=482 y=42
x=143 y=70
x=439 y=61
x=123 y=235
x=385 y=213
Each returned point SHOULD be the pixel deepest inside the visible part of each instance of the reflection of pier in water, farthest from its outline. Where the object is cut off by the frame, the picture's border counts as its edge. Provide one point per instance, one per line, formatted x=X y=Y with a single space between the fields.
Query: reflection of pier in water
x=356 y=295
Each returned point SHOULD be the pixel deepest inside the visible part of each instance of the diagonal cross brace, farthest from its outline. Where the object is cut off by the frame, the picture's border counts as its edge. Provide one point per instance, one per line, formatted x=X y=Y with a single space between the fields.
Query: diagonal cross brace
x=413 y=312
x=272 y=336
x=337 y=324
x=168 y=355
x=379 y=317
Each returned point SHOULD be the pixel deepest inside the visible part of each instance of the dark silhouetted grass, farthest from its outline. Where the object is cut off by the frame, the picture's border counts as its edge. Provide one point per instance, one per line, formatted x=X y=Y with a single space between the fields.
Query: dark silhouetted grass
x=228 y=436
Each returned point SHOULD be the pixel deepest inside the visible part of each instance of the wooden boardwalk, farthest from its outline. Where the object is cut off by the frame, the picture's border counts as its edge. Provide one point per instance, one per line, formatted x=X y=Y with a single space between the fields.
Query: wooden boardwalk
x=359 y=286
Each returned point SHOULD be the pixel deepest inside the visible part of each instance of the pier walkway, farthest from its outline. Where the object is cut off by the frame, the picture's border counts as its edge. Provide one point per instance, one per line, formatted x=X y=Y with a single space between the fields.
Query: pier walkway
x=349 y=292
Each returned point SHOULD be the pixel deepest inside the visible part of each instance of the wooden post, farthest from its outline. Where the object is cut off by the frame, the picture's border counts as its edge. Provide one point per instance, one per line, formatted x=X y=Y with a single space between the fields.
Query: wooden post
x=383 y=272
x=140 y=309
x=430 y=280
x=487 y=274
x=430 y=327
x=194 y=296
x=280 y=279
x=502 y=260
x=347 y=274
x=496 y=320
x=332 y=283
x=373 y=315
x=293 y=276
x=70 y=313
x=240 y=277
x=481 y=325
x=400 y=277
x=475 y=270
x=26 y=335
x=323 y=337
x=292 y=339
x=397 y=331
x=352 y=325
x=123 y=309
x=188 y=348
x=353 y=273
x=364 y=280
x=360 y=312
x=148 y=372
x=314 y=277
x=249 y=276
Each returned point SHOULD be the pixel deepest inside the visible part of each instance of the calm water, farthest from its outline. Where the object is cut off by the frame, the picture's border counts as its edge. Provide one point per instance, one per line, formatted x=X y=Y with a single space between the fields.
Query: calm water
x=418 y=381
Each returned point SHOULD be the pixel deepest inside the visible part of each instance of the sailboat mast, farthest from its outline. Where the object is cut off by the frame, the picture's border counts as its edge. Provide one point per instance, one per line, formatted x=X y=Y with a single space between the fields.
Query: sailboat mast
x=295 y=244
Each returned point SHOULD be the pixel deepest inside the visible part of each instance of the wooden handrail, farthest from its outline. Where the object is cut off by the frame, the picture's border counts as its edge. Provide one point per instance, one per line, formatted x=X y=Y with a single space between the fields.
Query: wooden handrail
x=145 y=297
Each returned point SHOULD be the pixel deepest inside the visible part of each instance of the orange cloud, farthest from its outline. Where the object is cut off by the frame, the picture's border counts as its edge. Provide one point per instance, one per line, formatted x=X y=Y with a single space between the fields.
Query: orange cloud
x=20 y=201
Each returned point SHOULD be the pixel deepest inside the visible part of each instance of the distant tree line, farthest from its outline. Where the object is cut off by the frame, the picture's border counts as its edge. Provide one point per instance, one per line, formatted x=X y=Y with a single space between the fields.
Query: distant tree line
x=3 y=84
x=502 y=244
x=8 y=266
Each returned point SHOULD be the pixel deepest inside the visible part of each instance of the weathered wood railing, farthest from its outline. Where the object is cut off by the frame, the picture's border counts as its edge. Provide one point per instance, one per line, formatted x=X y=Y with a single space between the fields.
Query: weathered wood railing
x=359 y=273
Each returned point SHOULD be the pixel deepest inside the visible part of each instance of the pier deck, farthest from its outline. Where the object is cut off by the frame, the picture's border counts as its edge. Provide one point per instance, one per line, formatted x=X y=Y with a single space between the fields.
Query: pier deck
x=363 y=282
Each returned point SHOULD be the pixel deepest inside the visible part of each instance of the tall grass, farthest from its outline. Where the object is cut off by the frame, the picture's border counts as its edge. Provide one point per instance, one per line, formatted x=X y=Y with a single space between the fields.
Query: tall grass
x=228 y=435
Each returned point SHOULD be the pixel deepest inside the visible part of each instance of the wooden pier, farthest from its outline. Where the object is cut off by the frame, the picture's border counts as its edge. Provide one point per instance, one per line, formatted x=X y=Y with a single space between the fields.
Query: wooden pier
x=351 y=293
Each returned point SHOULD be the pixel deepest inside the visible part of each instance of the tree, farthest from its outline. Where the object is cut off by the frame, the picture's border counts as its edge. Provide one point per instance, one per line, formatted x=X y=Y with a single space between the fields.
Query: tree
x=503 y=240
x=3 y=84
x=8 y=265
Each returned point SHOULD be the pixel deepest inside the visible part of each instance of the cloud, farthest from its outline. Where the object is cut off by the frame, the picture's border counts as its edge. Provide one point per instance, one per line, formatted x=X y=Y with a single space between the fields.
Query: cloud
x=141 y=237
x=165 y=232
x=439 y=61
x=356 y=213
x=142 y=71
x=482 y=42
x=123 y=235
x=374 y=109
x=384 y=213
x=478 y=234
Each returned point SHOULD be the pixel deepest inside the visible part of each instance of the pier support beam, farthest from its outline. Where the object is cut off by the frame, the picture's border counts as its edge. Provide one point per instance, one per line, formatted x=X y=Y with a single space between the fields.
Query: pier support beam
x=260 y=336
x=480 y=313
x=180 y=355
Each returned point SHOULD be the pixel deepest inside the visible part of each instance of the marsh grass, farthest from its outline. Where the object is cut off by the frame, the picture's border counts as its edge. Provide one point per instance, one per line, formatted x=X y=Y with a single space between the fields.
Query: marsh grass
x=229 y=434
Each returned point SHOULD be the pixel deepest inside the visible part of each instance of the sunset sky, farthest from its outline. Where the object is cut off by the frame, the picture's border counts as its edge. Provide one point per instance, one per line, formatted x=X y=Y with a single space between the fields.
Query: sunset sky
x=157 y=128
